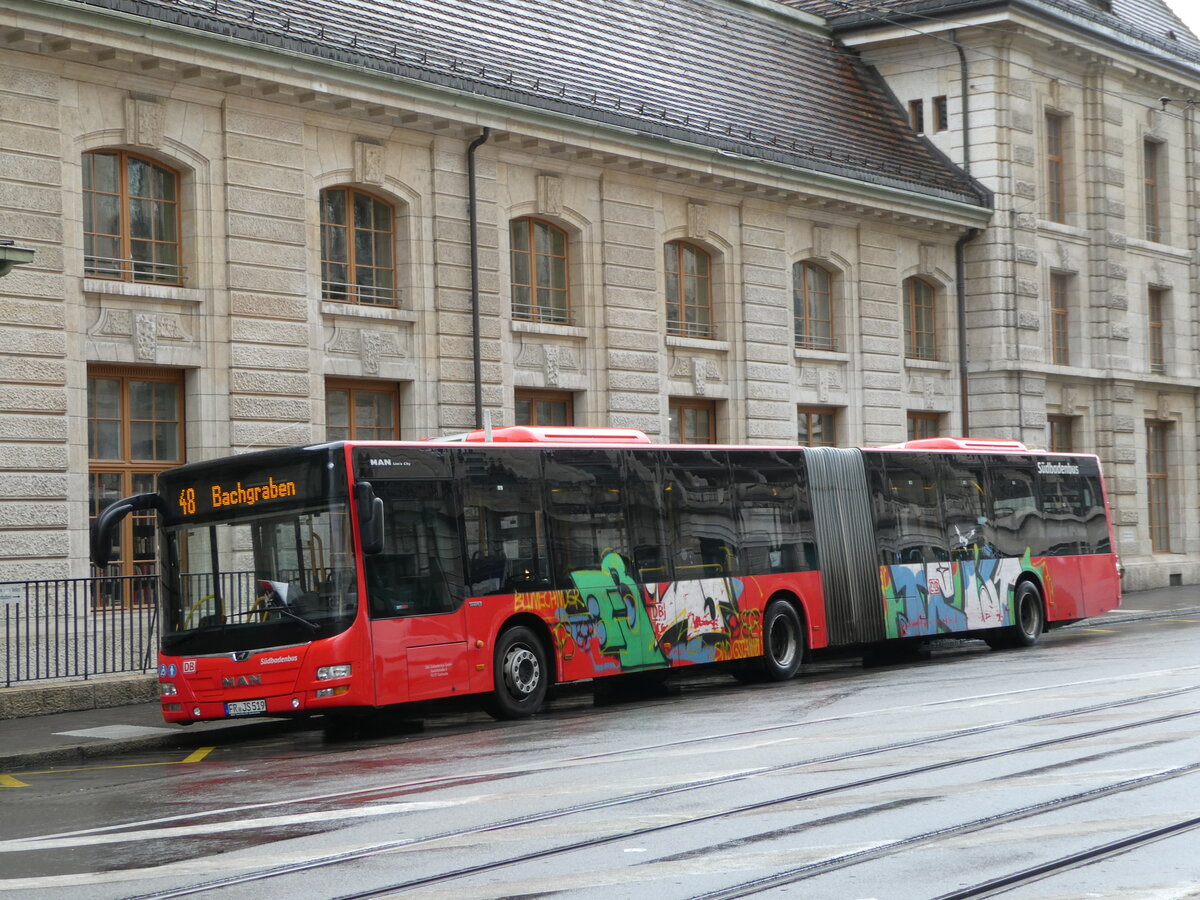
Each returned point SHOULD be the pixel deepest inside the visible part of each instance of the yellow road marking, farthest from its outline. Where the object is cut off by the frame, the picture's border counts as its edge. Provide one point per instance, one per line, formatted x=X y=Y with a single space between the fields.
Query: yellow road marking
x=194 y=757
x=1103 y=630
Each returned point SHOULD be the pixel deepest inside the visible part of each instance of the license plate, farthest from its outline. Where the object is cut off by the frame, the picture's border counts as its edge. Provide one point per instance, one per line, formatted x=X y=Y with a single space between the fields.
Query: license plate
x=245 y=707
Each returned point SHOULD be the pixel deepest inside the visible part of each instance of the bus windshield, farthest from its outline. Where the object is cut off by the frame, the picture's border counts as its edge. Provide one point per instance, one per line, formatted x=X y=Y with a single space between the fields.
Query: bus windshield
x=253 y=583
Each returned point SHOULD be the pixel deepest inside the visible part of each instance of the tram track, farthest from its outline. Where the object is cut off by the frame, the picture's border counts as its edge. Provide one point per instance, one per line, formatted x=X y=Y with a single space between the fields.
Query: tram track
x=702 y=784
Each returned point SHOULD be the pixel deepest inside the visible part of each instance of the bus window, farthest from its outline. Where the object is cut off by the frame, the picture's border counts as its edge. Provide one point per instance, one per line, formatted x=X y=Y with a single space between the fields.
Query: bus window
x=883 y=509
x=1065 y=505
x=912 y=483
x=1015 y=513
x=644 y=516
x=1095 y=520
x=774 y=516
x=505 y=542
x=585 y=514
x=699 y=513
x=420 y=569
x=964 y=507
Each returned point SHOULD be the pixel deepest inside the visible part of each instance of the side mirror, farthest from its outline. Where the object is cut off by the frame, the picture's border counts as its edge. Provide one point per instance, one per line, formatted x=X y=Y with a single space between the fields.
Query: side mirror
x=370 y=518
x=105 y=525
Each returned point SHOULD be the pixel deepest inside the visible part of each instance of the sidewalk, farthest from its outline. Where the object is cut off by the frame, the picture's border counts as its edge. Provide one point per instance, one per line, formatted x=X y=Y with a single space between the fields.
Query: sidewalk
x=72 y=736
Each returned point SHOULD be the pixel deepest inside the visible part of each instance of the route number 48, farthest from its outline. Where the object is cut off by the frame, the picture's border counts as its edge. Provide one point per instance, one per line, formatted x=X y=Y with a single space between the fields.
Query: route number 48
x=187 y=501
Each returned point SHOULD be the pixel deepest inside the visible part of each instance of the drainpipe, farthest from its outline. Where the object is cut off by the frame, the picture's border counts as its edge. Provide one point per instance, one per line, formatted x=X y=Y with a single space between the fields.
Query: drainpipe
x=960 y=263
x=960 y=279
x=473 y=220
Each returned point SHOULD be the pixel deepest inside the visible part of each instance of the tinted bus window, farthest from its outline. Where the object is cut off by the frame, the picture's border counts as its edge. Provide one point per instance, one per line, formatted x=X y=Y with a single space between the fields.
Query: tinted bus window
x=883 y=509
x=644 y=517
x=1096 y=521
x=420 y=570
x=585 y=512
x=1065 y=500
x=699 y=513
x=773 y=513
x=1015 y=512
x=964 y=506
x=912 y=481
x=502 y=511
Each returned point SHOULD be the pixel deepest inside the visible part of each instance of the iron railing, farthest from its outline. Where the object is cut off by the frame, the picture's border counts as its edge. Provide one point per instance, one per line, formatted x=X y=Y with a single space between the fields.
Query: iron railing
x=77 y=627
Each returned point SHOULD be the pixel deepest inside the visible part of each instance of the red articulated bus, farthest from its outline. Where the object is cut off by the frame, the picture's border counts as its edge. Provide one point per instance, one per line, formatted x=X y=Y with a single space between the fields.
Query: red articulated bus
x=349 y=576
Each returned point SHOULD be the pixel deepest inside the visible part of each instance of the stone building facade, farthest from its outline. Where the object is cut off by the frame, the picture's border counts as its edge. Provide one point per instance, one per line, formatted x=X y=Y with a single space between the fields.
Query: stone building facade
x=1082 y=314
x=118 y=361
x=252 y=336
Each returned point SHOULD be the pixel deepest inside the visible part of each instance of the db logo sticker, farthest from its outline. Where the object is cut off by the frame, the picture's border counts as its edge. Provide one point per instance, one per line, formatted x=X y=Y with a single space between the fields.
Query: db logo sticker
x=189 y=667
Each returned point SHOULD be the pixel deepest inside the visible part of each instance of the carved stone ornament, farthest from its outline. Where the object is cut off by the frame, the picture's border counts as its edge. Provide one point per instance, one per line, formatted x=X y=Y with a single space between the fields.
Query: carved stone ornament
x=368 y=162
x=549 y=195
x=697 y=221
x=371 y=347
x=822 y=241
x=552 y=359
x=1164 y=407
x=145 y=336
x=1069 y=401
x=822 y=379
x=143 y=122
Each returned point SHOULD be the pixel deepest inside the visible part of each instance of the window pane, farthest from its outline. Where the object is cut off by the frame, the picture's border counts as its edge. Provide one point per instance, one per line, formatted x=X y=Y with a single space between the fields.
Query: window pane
x=520 y=265
x=101 y=174
x=337 y=414
x=164 y=184
x=137 y=174
x=519 y=235
x=141 y=440
x=104 y=398
x=383 y=249
x=104 y=439
x=362 y=210
x=333 y=207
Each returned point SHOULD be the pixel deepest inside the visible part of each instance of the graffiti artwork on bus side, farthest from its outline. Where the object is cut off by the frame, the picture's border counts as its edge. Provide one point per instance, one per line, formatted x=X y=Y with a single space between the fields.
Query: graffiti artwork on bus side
x=627 y=627
x=945 y=597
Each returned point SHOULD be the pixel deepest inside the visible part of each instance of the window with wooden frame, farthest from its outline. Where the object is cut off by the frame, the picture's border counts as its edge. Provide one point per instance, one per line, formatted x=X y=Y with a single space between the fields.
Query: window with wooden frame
x=941 y=115
x=361 y=410
x=923 y=425
x=818 y=426
x=813 y=306
x=1060 y=319
x=1056 y=168
x=130 y=219
x=689 y=290
x=916 y=115
x=135 y=430
x=358 y=248
x=1151 y=185
x=1062 y=433
x=543 y=408
x=538 y=252
x=1156 y=306
x=920 y=337
x=693 y=421
x=1158 y=484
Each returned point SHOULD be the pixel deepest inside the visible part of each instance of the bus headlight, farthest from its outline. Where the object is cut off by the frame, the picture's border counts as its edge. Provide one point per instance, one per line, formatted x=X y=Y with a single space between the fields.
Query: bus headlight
x=327 y=673
x=166 y=689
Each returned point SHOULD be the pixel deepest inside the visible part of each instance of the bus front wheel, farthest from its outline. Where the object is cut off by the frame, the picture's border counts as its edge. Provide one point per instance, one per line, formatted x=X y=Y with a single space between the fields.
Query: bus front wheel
x=1029 y=616
x=783 y=646
x=521 y=675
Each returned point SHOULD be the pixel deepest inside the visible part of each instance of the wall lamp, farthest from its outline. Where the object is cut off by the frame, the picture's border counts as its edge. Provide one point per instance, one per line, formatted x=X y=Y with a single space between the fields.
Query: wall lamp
x=12 y=255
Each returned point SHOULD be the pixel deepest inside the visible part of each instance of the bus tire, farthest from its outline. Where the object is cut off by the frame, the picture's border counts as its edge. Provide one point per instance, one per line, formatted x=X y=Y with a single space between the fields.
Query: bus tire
x=1030 y=616
x=783 y=642
x=521 y=675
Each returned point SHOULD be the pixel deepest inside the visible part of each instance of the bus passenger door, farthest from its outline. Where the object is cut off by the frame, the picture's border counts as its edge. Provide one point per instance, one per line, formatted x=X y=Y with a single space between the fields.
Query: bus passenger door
x=415 y=587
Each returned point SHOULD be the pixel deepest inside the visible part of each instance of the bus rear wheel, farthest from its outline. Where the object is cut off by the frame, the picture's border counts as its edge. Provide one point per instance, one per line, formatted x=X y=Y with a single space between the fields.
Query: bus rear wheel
x=1030 y=620
x=521 y=675
x=783 y=646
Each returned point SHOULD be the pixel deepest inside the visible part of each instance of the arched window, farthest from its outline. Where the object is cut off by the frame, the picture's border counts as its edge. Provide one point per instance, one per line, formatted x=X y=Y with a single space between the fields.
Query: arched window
x=689 y=290
x=540 y=272
x=813 y=306
x=357 y=248
x=920 y=338
x=130 y=218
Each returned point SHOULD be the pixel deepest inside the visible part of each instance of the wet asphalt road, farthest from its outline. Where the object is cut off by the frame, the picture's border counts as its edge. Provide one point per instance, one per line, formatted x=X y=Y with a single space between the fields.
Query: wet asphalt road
x=1072 y=768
